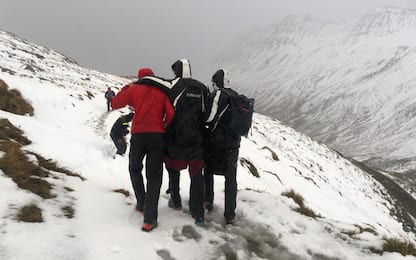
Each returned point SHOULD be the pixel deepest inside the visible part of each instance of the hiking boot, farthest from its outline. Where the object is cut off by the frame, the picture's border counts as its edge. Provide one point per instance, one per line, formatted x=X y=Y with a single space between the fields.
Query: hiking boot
x=209 y=206
x=175 y=206
x=149 y=227
x=199 y=221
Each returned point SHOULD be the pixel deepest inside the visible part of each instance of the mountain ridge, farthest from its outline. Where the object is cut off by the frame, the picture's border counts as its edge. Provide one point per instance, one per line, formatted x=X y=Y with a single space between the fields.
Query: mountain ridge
x=349 y=84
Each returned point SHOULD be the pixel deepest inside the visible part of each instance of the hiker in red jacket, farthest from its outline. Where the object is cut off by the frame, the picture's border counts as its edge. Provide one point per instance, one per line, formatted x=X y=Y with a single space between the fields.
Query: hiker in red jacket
x=153 y=113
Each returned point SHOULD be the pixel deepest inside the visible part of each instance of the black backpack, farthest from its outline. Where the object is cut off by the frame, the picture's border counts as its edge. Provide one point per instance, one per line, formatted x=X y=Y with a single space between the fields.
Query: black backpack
x=240 y=111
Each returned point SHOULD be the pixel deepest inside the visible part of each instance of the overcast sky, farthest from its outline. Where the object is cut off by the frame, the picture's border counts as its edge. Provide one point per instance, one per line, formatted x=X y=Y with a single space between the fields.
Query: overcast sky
x=120 y=36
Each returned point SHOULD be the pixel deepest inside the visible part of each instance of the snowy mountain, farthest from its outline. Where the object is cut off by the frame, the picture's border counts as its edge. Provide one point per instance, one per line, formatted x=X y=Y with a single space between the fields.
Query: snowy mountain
x=350 y=84
x=89 y=210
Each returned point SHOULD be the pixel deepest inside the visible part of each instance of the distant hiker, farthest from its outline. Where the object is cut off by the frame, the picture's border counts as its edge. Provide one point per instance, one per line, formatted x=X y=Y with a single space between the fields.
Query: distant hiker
x=185 y=135
x=119 y=131
x=109 y=95
x=222 y=146
x=153 y=112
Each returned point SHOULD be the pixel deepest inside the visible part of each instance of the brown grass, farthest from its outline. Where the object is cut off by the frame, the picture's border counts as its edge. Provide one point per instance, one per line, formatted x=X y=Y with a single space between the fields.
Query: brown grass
x=53 y=166
x=31 y=213
x=10 y=132
x=68 y=211
x=402 y=246
x=11 y=100
x=253 y=170
x=126 y=193
x=90 y=95
x=274 y=155
x=16 y=164
x=302 y=209
x=295 y=196
x=24 y=173
x=27 y=172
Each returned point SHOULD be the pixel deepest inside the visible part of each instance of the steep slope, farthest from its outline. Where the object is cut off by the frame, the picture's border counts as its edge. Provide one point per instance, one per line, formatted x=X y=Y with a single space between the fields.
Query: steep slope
x=350 y=84
x=352 y=210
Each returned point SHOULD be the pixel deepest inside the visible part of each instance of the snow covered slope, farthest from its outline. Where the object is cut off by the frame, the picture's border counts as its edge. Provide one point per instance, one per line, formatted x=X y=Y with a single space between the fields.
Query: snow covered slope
x=71 y=127
x=350 y=84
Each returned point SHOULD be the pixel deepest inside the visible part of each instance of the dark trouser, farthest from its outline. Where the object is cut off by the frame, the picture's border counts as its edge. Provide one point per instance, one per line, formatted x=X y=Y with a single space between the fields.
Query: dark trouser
x=229 y=169
x=120 y=143
x=108 y=105
x=174 y=181
x=196 y=192
x=152 y=145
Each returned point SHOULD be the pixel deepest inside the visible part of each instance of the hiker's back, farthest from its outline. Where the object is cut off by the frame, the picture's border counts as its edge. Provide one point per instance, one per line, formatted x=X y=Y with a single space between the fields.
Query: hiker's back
x=239 y=113
x=186 y=131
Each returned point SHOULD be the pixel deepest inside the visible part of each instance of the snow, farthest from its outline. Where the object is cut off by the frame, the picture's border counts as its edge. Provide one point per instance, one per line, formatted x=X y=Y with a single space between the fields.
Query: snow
x=74 y=131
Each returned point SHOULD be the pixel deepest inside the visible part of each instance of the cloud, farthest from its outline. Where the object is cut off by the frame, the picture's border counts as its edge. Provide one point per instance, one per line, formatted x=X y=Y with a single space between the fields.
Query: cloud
x=118 y=37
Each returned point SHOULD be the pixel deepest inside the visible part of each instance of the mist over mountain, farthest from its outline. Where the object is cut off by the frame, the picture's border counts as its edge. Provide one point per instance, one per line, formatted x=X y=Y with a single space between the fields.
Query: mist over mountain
x=350 y=84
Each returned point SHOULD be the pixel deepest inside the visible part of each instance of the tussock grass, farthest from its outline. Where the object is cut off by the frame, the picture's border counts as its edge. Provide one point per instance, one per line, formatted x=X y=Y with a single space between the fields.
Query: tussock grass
x=253 y=170
x=16 y=163
x=126 y=193
x=11 y=100
x=53 y=166
x=29 y=173
x=68 y=211
x=302 y=209
x=402 y=246
x=274 y=155
x=295 y=196
x=24 y=173
x=307 y=212
x=31 y=213
x=10 y=132
x=90 y=95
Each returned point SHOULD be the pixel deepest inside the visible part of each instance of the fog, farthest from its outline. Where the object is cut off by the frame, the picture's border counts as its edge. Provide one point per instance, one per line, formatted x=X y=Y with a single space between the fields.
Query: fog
x=118 y=37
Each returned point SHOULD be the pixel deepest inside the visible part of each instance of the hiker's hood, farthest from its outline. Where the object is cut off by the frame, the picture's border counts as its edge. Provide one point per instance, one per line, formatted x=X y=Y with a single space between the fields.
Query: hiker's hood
x=221 y=78
x=182 y=68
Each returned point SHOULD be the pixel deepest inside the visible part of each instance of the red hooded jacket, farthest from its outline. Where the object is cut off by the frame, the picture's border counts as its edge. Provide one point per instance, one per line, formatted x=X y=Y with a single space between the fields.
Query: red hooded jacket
x=153 y=110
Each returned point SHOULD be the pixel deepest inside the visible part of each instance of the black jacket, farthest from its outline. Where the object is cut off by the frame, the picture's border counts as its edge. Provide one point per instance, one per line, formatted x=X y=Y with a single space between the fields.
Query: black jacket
x=189 y=97
x=120 y=126
x=219 y=138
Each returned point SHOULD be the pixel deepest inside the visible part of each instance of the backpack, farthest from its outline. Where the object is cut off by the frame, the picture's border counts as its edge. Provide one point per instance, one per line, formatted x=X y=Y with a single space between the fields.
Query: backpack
x=240 y=111
x=110 y=94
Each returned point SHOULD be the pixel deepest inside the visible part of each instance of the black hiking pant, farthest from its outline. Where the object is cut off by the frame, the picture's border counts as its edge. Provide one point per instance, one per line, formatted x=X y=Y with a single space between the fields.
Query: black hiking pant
x=152 y=146
x=196 y=192
x=227 y=166
x=120 y=143
x=108 y=105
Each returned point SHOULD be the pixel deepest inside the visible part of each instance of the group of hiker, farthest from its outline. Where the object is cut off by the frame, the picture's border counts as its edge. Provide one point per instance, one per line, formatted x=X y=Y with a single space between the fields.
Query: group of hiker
x=179 y=123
